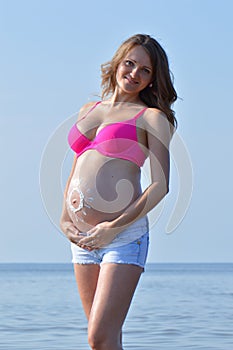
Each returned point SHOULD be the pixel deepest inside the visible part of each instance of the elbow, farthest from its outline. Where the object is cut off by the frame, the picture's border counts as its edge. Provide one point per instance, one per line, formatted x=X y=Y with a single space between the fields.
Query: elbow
x=164 y=190
x=161 y=189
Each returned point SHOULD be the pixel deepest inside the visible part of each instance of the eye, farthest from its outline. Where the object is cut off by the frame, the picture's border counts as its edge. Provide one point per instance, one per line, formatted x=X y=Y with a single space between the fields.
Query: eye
x=129 y=63
x=145 y=70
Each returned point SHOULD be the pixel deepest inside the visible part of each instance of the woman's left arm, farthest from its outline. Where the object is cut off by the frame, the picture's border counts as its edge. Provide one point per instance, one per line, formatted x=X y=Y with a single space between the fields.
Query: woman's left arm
x=159 y=135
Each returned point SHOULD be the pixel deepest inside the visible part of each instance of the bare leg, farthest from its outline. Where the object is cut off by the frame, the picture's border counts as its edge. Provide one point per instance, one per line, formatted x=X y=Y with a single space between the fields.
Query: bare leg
x=114 y=292
x=86 y=278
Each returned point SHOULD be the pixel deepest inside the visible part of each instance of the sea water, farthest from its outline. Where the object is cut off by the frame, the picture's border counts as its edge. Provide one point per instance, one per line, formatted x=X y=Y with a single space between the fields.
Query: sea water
x=176 y=306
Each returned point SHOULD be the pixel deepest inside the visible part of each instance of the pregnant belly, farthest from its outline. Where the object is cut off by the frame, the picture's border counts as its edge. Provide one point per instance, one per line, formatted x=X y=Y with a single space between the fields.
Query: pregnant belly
x=87 y=207
x=94 y=197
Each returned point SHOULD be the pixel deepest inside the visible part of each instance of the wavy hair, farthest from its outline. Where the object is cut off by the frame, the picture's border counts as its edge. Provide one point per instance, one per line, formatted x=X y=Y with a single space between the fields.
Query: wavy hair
x=162 y=93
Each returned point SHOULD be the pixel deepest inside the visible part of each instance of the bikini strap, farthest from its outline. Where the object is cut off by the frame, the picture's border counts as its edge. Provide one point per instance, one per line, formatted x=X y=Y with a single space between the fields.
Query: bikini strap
x=90 y=110
x=140 y=113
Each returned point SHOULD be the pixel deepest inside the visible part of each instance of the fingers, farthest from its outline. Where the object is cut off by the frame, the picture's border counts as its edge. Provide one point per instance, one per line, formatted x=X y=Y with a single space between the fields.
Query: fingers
x=88 y=247
x=74 y=235
x=72 y=229
x=89 y=243
x=80 y=240
x=86 y=240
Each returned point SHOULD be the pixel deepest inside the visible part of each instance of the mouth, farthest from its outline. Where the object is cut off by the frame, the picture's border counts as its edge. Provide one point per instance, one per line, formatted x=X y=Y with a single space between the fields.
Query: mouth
x=131 y=81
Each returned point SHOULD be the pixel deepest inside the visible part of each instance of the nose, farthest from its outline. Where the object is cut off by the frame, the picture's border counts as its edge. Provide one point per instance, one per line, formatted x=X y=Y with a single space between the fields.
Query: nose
x=135 y=72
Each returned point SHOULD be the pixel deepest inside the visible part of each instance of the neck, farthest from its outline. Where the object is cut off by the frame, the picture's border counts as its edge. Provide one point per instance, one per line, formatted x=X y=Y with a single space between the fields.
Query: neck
x=120 y=97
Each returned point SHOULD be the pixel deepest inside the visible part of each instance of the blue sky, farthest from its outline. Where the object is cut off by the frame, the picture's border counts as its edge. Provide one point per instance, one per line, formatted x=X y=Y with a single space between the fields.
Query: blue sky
x=51 y=52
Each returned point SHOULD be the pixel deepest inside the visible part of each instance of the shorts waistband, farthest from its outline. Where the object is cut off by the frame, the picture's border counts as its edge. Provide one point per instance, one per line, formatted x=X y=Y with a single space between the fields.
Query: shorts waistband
x=131 y=233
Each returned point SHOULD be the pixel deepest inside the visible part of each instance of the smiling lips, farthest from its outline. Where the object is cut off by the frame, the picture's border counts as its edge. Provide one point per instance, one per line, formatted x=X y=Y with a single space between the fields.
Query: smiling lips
x=130 y=80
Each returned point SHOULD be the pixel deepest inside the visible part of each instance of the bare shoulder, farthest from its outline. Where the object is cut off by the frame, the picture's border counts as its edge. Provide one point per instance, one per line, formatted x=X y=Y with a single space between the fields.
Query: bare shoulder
x=156 y=119
x=88 y=105
x=85 y=108
x=154 y=115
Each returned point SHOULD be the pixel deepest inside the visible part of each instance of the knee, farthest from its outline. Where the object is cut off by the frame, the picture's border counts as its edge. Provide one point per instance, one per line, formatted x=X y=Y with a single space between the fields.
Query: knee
x=100 y=341
x=96 y=341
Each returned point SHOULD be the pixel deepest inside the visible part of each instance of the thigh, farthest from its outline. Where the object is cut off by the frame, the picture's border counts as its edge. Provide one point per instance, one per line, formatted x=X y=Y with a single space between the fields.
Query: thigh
x=86 y=277
x=114 y=292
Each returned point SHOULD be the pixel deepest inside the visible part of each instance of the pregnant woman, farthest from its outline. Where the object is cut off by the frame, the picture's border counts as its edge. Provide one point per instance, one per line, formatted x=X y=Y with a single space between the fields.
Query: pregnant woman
x=105 y=211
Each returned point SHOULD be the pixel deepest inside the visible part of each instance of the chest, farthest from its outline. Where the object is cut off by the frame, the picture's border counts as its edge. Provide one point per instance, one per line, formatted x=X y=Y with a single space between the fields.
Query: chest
x=109 y=128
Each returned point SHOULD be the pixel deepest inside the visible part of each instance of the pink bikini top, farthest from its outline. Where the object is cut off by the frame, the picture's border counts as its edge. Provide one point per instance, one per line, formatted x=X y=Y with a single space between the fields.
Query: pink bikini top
x=117 y=140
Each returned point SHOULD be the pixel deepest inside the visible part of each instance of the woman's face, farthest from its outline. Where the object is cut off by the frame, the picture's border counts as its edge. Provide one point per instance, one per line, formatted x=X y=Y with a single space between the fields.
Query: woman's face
x=134 y=72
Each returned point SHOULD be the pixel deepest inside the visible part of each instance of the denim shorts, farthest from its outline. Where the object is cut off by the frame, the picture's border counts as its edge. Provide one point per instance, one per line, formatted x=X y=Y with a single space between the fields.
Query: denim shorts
x=135 y=252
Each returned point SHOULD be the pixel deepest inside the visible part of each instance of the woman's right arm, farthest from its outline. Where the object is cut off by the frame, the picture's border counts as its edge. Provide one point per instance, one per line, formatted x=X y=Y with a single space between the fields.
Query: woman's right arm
x=66 y=224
